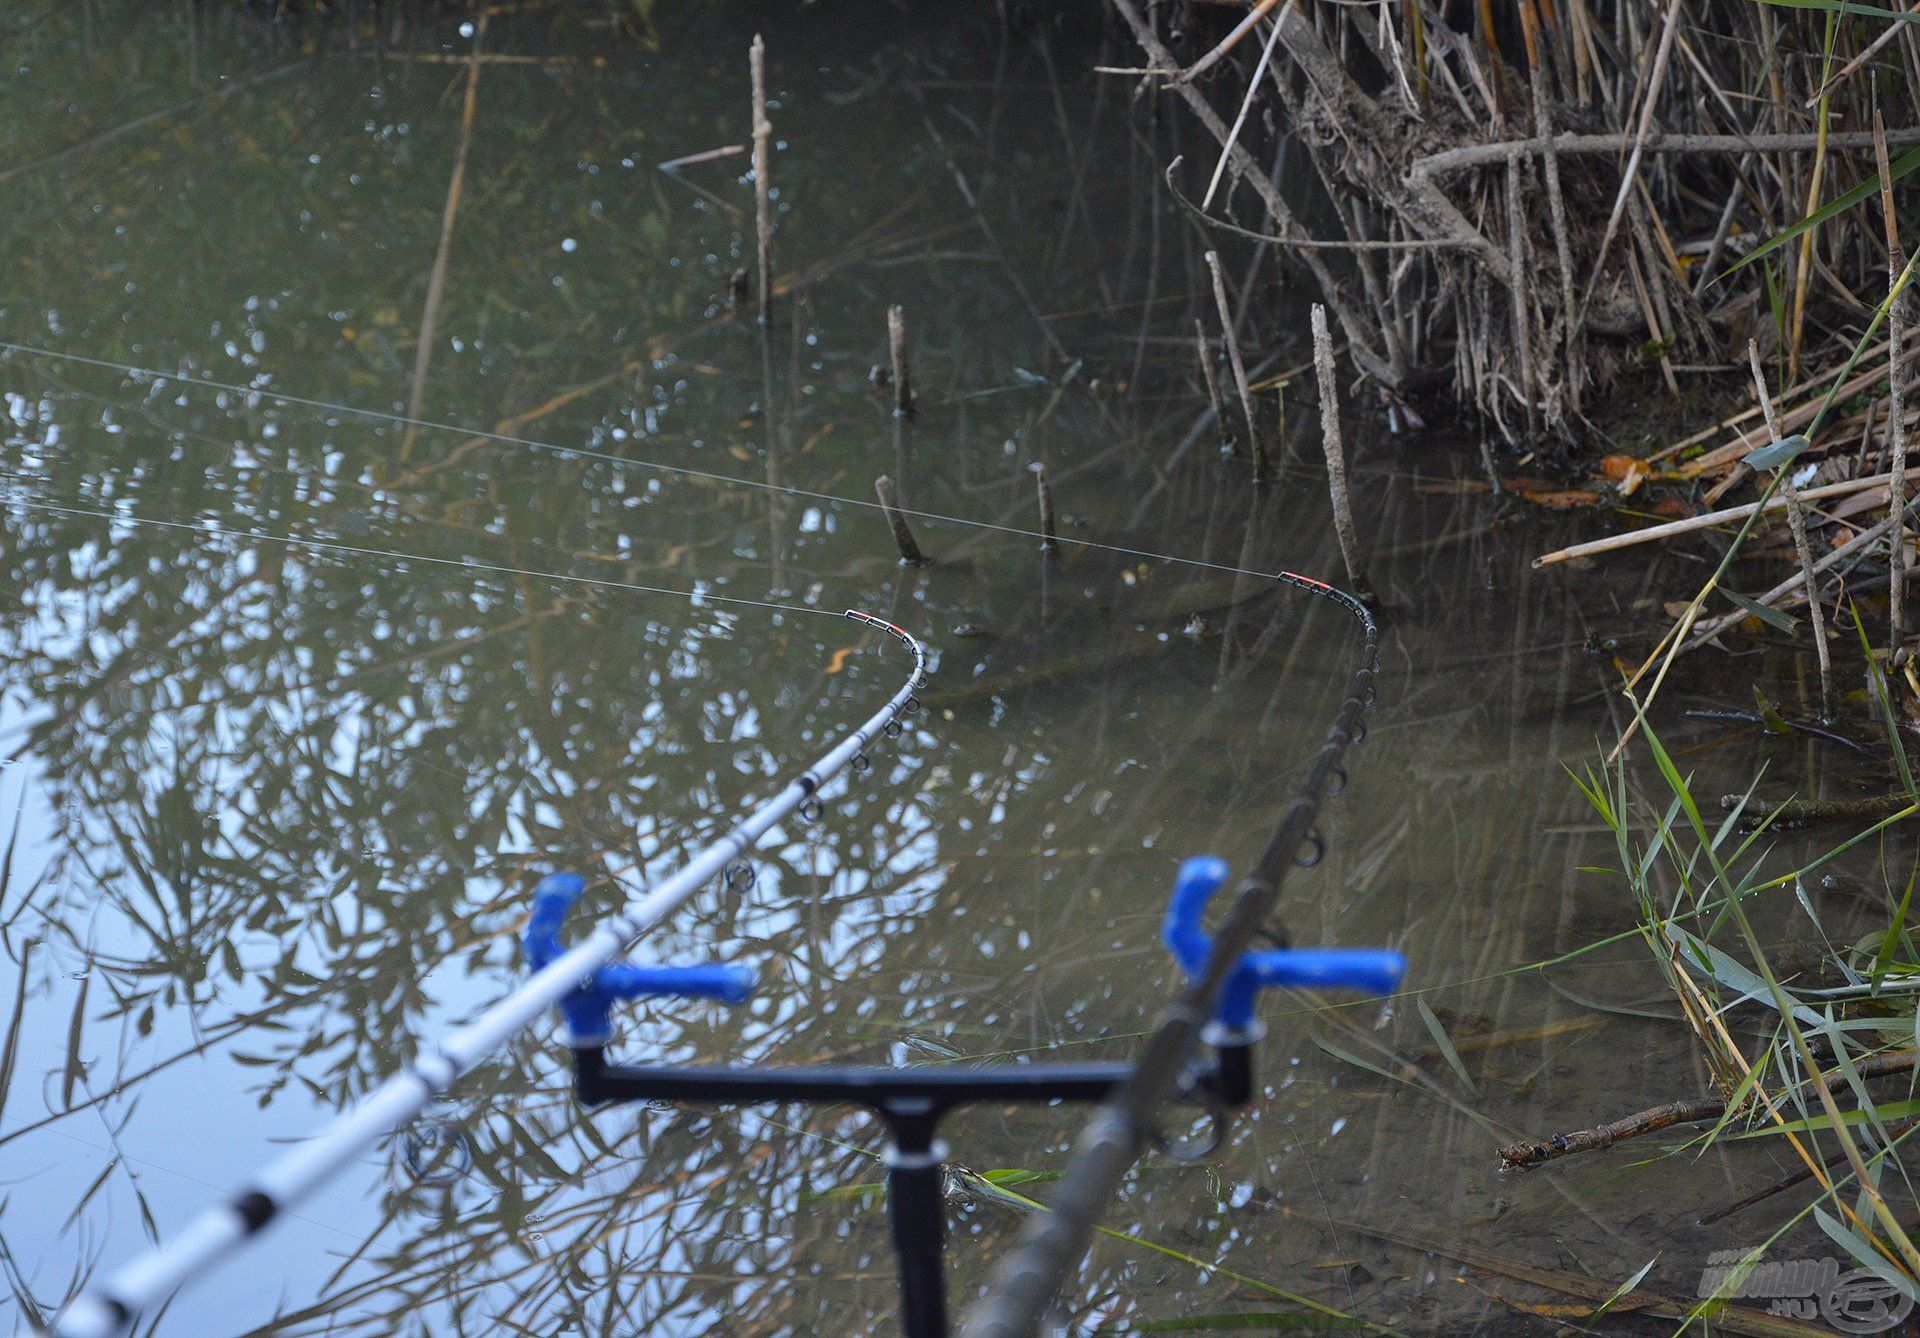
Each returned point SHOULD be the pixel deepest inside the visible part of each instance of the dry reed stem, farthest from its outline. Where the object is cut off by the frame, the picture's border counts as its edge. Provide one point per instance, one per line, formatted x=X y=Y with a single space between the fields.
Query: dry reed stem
x=903 y=400
x=1797 y=522
x=1517 y=294
x=1784 y=594
x=1049 y=536
x=1649 y=104
x=1212 y=383
x=1705 y=521
x=762 y=174
x=902 y=535
x=437 y=280
x=1804 y=273
x=1257 y=446
x=1896 y=408
x=1228 y=43
x=1246 y=105
x=1556 y=199
x=1336 y=455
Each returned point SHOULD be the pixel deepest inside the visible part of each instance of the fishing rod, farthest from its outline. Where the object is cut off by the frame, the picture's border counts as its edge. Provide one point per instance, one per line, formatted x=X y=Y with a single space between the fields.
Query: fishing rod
x=220 y=1230
x=910 y=1102
x=1216 y=1006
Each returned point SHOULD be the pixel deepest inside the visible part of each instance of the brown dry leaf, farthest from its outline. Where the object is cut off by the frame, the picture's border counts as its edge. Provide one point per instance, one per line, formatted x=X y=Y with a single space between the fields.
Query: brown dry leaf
x=1679 y=508
x=1622 y=467
x=1565 y=499
x=1454 y=487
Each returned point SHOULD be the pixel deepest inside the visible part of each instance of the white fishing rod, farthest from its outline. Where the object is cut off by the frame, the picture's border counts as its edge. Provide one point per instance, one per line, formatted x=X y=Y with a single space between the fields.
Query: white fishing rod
x=218 y=1231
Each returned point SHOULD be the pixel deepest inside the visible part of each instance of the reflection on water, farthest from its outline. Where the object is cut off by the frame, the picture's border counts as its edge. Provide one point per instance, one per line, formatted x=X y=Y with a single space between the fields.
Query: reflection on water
x=280 y=804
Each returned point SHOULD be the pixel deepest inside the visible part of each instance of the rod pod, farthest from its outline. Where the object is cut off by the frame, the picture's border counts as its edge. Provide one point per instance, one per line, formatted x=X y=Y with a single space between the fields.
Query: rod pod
x=911 y=1102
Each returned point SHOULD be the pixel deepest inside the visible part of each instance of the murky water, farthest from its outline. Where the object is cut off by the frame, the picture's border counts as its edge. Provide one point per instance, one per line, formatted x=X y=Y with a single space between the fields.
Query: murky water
x=290 y=737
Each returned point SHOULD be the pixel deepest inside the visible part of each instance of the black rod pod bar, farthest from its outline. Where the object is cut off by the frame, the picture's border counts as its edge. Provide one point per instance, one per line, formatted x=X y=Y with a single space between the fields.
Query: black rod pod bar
x=912 y=1101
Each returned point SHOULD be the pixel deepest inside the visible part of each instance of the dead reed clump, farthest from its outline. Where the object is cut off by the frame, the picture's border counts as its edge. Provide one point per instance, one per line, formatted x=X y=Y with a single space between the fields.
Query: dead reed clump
x=1529 y=209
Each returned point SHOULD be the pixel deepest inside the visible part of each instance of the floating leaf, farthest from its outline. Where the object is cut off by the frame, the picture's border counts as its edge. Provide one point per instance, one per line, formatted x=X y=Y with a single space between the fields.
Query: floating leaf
x=1541 y=493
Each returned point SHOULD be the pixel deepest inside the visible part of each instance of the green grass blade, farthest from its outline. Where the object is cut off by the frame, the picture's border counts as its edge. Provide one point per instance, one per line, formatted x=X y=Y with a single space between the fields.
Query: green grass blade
x=1451 y=1055
x=1899 y=169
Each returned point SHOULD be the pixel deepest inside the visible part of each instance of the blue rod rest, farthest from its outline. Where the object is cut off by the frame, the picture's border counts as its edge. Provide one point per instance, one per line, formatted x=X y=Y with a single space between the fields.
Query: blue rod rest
x=1368 y=970
x=587 y=1005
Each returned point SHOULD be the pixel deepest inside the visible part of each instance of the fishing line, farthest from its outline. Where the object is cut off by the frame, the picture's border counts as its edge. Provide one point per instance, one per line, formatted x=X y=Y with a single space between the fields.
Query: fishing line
x=607 y=457
x=1052 y=1245
x=1120 y=1131
x=491 y=568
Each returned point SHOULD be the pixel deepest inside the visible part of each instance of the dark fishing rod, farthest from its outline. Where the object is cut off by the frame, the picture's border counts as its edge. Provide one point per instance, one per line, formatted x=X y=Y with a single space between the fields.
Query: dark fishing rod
x=910 y=1102
x=1053 y=1243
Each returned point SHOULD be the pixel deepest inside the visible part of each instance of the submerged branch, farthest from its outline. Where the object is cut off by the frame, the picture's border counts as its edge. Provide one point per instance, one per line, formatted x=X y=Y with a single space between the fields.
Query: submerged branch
x=1800 y=812
x=1524 y=1156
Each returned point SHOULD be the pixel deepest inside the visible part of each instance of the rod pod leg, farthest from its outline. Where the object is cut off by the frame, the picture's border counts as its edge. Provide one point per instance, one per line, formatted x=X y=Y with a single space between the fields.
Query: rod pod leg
x=917 y=1208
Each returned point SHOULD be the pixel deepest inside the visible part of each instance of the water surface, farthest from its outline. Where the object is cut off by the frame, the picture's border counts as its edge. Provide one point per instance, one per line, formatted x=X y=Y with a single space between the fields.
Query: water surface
x=299 y=698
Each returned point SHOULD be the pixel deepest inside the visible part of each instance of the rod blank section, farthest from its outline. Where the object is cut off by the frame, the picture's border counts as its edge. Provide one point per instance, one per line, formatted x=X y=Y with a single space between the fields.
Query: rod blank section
x=111 y=1307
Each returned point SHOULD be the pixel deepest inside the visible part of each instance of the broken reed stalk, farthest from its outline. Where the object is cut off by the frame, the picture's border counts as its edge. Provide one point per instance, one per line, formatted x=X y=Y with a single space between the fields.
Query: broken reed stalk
x=1213 y=385
x=762 y=174
x=1336 y=455
x=903 y=401
x=1797 y=522
x=1705 y=521
x=1699 y=633
x=1257 y=446
x=902 y=536
x=1896 y=410
x=1049 y=536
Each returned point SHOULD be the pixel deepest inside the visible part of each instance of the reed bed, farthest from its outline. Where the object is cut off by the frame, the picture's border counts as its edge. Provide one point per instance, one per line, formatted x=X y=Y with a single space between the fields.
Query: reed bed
x=1528 y=206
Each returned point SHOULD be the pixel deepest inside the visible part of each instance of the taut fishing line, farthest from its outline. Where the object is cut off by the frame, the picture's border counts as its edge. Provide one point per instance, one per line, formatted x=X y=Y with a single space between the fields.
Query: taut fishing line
x=608 y=457
x=1053 y=1243
x=1026 y=1282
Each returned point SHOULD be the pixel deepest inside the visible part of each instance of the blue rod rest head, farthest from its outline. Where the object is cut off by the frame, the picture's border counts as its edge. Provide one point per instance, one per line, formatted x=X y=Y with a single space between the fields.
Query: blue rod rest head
x=587 y=1005
x=1368 y=970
